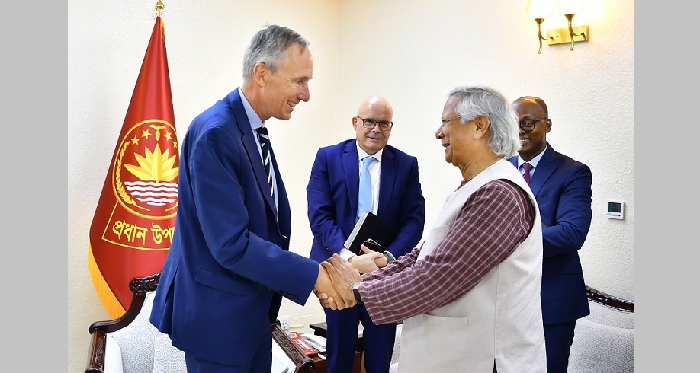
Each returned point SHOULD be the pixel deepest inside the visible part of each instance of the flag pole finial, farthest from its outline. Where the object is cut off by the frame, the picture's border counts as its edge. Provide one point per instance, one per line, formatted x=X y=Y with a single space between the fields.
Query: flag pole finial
x=159 y=8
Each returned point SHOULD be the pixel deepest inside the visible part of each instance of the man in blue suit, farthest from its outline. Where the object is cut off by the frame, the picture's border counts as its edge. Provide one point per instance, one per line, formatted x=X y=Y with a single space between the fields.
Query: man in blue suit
x=228 y=267
x=562 y=187
x=332 y=195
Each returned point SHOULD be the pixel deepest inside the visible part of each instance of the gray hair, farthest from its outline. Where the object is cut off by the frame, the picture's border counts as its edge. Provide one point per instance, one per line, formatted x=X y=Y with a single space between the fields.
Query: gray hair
x=476 y=100
x=268 y=46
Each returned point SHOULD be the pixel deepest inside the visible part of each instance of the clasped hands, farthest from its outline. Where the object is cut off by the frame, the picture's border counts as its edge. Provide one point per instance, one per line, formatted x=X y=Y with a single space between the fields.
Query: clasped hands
x=337 y=275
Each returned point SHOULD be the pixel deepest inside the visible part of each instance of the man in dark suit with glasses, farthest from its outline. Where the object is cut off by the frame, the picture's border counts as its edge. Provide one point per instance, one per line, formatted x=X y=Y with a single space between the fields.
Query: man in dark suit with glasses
x=334 y=205
x=562 y=187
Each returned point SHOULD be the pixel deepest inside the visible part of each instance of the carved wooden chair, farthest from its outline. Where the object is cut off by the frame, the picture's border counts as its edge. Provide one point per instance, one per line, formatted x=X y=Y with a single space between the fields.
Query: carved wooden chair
x=131 y=344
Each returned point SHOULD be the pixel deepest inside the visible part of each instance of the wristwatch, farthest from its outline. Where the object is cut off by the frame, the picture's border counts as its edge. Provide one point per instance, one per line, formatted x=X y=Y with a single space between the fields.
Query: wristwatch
x=389 y=256
x=356 y=291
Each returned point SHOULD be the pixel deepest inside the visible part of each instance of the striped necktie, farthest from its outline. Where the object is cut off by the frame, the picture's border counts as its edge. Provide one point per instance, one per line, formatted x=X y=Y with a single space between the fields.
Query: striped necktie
x=265 y=147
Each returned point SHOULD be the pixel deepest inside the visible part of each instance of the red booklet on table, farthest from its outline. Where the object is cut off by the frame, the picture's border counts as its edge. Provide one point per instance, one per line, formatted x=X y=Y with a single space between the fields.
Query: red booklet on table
x=302 y=343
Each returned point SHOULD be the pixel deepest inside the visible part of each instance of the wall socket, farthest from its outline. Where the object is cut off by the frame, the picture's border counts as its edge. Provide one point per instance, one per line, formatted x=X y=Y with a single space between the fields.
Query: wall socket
x=284 y=322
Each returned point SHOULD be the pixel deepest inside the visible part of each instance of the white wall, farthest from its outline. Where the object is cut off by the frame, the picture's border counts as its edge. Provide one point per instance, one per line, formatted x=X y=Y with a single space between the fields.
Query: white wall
x=411 y=51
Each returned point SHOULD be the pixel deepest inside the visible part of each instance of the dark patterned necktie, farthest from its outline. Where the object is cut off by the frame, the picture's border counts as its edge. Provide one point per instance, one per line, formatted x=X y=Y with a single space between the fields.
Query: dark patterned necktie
x=265 y=147
x=527 y=167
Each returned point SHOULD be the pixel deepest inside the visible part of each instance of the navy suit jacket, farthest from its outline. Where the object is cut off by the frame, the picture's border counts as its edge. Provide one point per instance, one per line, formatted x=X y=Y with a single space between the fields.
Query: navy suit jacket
x=229 y=265
x=332 y=198
x=562 y=187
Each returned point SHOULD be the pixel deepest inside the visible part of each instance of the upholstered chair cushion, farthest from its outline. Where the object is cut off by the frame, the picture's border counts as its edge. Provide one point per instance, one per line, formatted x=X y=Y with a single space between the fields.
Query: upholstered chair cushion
x=166 y=358
x=113 y=356
x=603 y=342
x=136 y=340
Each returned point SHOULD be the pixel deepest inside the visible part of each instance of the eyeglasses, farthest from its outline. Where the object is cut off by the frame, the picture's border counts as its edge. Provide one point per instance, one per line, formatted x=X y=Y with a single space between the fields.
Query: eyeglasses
x=370 y=123
x=528 y=125
x=445 y=121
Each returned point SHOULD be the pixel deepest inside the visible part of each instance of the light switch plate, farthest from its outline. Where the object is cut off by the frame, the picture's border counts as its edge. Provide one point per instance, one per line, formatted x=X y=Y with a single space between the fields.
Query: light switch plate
x=284 y=322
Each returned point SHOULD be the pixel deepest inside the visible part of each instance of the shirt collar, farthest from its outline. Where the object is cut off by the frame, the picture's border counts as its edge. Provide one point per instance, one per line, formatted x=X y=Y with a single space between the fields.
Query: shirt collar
x=362 y=154
x=253 y=118
x=533 y=161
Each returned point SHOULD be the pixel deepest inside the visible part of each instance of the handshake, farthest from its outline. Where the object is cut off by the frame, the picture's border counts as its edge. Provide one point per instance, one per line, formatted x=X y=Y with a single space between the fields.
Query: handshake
x=336 y=276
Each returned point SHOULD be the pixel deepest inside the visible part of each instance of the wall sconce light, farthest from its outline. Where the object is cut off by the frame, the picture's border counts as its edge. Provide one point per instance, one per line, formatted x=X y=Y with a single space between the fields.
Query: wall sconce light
x=541 y=9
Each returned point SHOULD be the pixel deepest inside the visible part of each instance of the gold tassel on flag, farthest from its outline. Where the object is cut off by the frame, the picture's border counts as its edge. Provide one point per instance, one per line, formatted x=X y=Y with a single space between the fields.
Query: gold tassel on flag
x=134 y=221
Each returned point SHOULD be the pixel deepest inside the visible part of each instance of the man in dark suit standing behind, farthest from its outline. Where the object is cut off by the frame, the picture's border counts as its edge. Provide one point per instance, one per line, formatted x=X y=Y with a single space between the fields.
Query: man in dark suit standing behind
x=229 y=263
x=334 y=207
x=562 y=187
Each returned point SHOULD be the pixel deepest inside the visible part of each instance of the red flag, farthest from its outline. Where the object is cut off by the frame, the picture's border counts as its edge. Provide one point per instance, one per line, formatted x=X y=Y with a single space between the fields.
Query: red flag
x=134 y=221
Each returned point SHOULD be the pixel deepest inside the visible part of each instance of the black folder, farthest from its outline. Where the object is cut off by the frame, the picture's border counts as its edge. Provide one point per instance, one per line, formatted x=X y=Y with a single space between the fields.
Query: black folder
x=370 y=227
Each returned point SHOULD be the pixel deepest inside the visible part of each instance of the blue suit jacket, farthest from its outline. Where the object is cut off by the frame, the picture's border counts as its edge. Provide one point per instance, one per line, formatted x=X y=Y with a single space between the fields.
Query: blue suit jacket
x=562 y=187
x=332 y=198
x=229 y=265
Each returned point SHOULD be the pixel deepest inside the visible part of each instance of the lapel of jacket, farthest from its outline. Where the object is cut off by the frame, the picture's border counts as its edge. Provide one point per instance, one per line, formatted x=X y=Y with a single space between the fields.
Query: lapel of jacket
x=545 y=169
x=514 y=160
x=251 y=148
x=352 y=173
x=387 y=179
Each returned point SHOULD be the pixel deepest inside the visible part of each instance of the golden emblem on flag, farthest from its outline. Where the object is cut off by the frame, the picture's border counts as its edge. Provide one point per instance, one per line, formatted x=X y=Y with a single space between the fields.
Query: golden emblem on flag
x=144 y=179
x=144 y=173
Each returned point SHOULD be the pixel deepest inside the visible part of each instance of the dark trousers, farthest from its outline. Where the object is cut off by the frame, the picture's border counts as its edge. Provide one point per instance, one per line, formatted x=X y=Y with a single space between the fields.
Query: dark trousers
x=558 y=339
x=341 y=340
x=261 y=361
